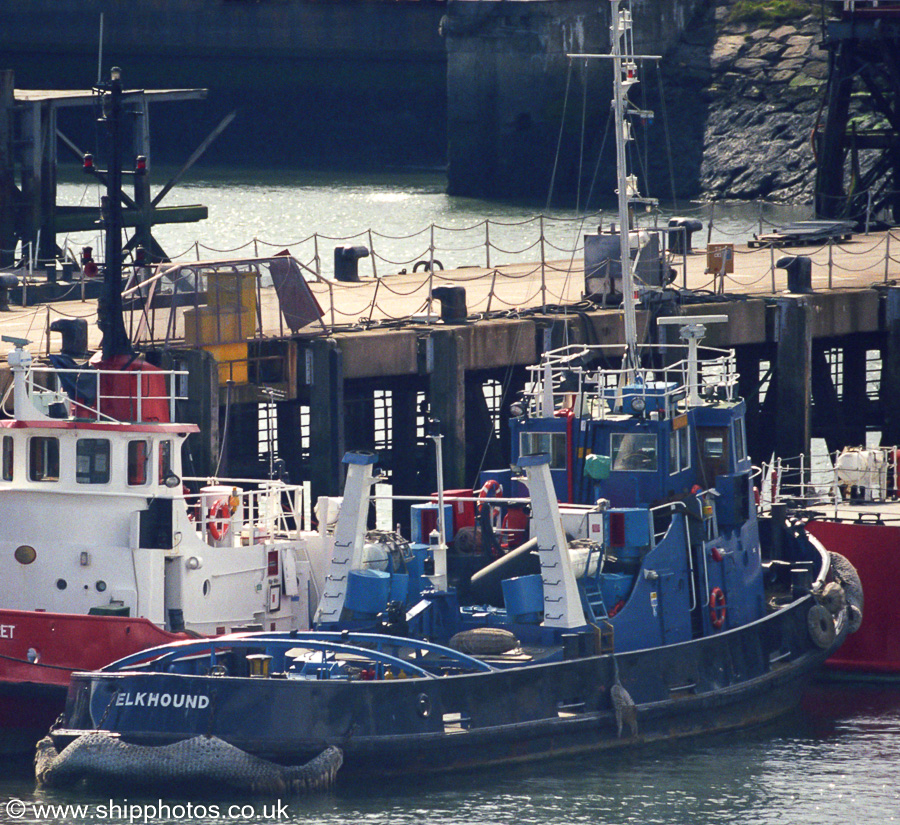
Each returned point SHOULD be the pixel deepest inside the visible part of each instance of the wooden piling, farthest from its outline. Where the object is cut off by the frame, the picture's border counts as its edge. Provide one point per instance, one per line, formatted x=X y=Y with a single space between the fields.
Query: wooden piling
x=326 y=418
x=890 y=369
x=447 y=397
x=201 y=407
x=748 y=362
x=290 y=440
x=8 y=190
x=855 y=400
x=829 y=418
x=793 y=363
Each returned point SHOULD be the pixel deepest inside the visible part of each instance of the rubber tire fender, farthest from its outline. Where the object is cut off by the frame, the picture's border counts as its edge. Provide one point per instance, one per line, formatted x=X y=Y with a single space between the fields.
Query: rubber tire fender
x=849 y=579
x=821 y=626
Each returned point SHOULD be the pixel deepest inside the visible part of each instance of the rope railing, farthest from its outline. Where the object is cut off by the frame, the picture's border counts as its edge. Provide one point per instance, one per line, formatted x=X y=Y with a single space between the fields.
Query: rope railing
x=494 y=236
x=540 y=246
x=411 y=235
x=404 y=262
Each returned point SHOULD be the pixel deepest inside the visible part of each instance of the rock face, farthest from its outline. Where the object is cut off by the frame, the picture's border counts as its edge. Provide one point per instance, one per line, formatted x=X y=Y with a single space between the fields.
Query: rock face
x=742 y=100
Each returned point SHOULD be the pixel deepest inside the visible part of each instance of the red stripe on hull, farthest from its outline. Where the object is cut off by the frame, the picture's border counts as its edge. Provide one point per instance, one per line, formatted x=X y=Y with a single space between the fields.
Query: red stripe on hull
x=874 y=550
x=32 y=695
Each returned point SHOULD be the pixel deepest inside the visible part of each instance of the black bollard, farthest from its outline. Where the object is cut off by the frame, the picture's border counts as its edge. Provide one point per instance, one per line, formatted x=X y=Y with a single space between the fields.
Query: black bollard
x=346 y=262
x=799 y=272
x=680 y=238
x=453 y=303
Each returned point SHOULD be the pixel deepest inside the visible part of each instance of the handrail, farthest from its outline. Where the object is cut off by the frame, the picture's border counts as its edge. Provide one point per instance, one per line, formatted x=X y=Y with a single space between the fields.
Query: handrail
x=667 y=385
x=259 y=508
x=324 y=641
x=139 y=386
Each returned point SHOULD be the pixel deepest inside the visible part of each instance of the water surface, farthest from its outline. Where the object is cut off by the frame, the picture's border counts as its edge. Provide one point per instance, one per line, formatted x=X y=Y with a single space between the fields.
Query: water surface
x=832 y=762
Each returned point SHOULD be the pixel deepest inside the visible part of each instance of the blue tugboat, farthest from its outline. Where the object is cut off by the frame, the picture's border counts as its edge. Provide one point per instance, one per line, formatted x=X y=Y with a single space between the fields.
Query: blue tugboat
x=652 y=605
x=554 y=674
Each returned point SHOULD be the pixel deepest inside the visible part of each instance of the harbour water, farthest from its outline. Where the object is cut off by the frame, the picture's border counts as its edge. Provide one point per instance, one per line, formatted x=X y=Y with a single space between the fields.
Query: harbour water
x=833 y=761
x=398 y=216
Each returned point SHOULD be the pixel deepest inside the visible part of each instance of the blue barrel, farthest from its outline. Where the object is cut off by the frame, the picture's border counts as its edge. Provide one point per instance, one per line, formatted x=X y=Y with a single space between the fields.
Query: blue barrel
x=367 y=591
x=524 y=598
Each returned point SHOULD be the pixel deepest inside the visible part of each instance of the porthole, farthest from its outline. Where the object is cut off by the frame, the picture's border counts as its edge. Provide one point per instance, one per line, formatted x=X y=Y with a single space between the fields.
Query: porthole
x=61 y=584
x=25 y=554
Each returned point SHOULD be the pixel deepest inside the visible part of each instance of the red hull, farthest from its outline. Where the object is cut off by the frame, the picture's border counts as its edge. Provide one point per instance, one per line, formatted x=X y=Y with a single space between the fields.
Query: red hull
x=874 y=550
x=32 y=695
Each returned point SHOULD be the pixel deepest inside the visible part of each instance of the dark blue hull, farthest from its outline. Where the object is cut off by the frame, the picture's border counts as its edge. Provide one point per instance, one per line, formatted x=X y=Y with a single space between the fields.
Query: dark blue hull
x=735 y=679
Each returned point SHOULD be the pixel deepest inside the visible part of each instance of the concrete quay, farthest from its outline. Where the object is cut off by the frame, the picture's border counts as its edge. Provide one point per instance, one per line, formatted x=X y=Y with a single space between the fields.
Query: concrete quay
x=820 y=363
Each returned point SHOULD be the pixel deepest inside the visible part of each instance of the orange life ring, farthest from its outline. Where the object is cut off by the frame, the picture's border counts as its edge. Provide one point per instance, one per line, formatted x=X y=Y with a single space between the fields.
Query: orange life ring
x=717 y=607
x=218 y=520
x=492 y=488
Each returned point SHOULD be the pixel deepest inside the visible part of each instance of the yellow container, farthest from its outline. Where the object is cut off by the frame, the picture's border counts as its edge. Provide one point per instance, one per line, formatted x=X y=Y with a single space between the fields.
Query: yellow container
x=210 y=325
x=232 y=360
x=230 y=290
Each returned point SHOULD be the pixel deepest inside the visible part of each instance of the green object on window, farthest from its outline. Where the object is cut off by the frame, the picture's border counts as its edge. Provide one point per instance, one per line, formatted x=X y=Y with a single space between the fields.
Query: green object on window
x=597 y=467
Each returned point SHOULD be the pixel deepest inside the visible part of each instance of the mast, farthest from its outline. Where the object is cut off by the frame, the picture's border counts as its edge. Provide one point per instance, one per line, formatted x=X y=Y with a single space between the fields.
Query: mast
x=624 y=77
x=110 y=320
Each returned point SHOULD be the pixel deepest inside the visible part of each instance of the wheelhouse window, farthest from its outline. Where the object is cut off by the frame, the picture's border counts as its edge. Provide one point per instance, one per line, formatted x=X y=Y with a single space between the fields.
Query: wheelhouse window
x=138 y=463
x=554 y=444
x=165 y=460
x=7 y=458
x=92 y=461
x=740 y=443
x=713 y=447
x=679 y=450
x=43 y=458
x=634 y=451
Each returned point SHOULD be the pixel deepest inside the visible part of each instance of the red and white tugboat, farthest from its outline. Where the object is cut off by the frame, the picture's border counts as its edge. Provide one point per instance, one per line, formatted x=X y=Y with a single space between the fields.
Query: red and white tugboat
x=102 y=554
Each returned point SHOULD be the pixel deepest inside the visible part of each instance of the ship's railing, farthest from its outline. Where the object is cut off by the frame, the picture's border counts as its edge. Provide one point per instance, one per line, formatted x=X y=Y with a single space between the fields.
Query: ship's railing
x=136 y=396
x=245 y=511
x=391 y=655
x=570 y=378
x=857 y=474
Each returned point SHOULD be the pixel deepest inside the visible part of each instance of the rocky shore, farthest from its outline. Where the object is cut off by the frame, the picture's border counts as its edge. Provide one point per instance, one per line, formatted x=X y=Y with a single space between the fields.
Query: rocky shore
x=760 y=87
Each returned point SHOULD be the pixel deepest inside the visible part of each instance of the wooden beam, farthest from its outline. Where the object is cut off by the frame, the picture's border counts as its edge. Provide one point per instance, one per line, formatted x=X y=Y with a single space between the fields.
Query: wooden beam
x=85 y=218
x=198 y=152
